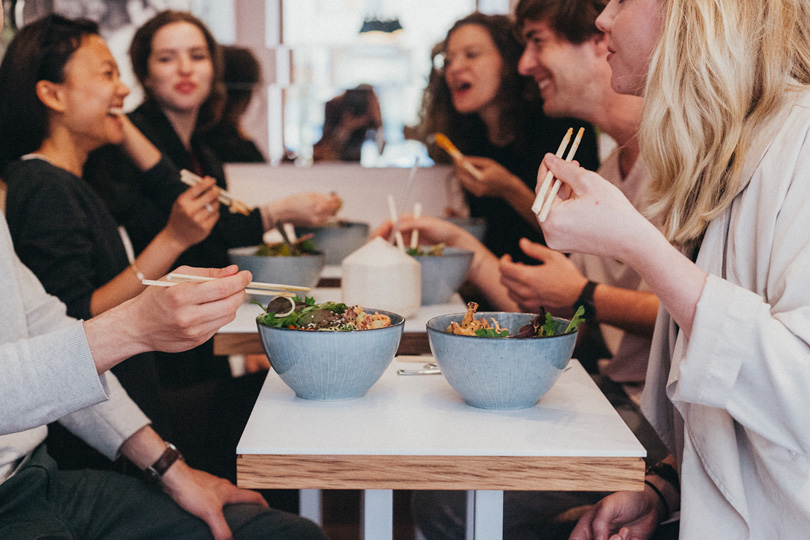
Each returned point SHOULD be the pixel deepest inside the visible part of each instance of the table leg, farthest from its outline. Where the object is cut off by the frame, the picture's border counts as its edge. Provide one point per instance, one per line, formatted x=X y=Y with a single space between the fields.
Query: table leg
x=485 y=515
x=309 y=505
x=377 y=515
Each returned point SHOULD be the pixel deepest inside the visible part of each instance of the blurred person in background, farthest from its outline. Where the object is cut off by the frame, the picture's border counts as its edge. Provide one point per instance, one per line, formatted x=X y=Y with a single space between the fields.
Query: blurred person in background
x=350 y=119
x=242 y=76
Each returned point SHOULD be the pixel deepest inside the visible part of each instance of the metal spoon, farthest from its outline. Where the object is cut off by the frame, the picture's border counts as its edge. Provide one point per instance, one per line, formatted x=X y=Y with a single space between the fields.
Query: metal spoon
x=432 y=371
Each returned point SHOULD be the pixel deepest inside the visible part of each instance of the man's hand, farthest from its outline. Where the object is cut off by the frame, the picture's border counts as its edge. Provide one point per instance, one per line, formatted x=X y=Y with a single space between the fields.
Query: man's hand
x=624 y=515
x=204 y=495
x=169 y=319
x=556 y=283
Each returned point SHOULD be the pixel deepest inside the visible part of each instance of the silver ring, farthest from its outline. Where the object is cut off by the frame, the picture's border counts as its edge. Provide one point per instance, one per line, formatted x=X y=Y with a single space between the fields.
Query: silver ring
x=209 y=207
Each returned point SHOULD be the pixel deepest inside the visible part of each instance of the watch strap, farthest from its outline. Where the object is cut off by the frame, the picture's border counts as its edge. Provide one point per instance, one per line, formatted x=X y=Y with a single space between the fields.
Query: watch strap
x=171 y=454
x=586 y=301
x=665 y=471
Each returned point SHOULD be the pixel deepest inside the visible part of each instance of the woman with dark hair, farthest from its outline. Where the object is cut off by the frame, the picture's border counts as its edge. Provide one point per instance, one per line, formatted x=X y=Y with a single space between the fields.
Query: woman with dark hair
x=179 y=64
x=62 y=97
x=494 y=116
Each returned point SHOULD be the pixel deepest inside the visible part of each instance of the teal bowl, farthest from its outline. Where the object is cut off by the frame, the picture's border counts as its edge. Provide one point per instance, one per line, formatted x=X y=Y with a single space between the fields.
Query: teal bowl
x=443 y=274
x=300 y=271
x=338 y=240
x=331 y=366
x=500 y=373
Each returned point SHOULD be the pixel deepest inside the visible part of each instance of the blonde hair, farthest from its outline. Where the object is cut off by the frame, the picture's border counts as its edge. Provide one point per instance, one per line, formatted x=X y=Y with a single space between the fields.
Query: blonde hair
x=721 y=67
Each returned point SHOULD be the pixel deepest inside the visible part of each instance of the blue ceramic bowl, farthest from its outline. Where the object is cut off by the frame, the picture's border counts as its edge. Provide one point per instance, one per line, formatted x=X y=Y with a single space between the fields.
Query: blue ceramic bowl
x=338 y=240
x=476 y=226
x=331 y=366
x=443 y=274
x=301 y=271
x=500 y=373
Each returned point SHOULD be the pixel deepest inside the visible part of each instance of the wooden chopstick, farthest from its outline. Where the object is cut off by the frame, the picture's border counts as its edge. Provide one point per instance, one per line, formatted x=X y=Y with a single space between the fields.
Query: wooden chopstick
x=417 y=213
x=446 y=145
x=541 y=217
x=392 y=209
x=260 y=292
x=253 y=284
x=541 y=194
x=237 y=206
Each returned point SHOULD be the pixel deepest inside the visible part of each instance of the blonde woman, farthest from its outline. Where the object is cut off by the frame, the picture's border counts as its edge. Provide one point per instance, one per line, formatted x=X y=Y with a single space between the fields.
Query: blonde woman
x=725 y=134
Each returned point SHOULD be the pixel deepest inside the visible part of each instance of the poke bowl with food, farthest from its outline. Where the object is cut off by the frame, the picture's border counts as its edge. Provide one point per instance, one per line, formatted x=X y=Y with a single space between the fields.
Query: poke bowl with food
x=444 y=269
x=328 y=351
x=298 y=263
x=339 y=238
x=499 y=360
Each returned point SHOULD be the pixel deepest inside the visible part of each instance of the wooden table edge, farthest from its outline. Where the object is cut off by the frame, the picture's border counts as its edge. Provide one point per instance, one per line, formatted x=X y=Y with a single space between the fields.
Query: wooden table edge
x=265 y=471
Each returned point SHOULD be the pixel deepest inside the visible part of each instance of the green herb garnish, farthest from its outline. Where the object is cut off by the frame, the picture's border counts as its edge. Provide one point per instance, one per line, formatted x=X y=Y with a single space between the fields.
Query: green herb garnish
x=576 y=320
x=491 y=332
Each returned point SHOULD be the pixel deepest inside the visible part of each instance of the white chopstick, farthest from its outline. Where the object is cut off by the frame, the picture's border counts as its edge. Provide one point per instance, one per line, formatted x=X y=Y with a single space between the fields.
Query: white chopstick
x=417 y=213
x=541 y=217
x=541 y=193
x=252 y=284
x=392 y=209
x=190 y=179
x=260 y=292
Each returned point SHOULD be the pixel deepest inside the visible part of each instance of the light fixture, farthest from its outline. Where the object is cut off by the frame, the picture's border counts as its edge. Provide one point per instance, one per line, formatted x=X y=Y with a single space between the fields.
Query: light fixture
x=377 y=20
x=374 y=24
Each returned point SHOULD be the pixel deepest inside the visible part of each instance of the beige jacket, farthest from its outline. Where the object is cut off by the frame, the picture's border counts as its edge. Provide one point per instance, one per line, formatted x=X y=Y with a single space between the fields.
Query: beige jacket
x=741 y=384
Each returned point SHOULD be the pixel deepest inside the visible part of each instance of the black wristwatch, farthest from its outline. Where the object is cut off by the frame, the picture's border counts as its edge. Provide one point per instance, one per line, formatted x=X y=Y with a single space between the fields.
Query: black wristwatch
x=586 y=301
x=156 y=471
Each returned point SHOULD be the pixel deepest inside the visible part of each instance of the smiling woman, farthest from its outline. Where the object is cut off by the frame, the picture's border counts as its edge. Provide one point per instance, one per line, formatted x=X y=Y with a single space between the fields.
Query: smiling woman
x=61 y=93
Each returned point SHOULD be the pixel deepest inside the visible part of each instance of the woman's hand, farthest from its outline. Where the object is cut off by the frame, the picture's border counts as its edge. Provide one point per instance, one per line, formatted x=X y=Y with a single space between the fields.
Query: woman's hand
x=556 y=283
x=591 y=215
x=624 y=515
x=306 y=209
x=495 y=180
x=194 y=213
x=431 y=231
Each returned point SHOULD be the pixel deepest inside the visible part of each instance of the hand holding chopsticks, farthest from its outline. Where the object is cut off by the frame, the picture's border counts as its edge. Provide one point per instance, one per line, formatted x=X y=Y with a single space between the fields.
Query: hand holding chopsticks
x=254 y=287
x=236 y=206
x=542 y=203
x=446 y=145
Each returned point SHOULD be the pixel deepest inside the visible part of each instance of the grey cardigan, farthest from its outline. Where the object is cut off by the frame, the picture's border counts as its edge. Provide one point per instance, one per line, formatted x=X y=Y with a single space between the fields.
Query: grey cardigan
x=48 y=372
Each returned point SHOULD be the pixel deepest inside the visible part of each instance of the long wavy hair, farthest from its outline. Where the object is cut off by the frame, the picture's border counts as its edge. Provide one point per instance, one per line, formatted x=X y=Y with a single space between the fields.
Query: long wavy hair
x=721 y=68
x=141 y=49
x=518 y=97
x=39 y=52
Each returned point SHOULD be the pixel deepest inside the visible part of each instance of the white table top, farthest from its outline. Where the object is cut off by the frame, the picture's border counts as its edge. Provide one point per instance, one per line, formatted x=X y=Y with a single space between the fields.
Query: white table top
x=245 y=321
x=422 y=415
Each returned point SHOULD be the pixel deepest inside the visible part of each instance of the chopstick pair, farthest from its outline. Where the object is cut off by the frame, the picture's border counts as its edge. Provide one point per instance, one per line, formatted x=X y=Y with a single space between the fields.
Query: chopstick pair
x=445 y=144
x=392 y=210
x=542 y=203
x=254 y=287
x=236 y=206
